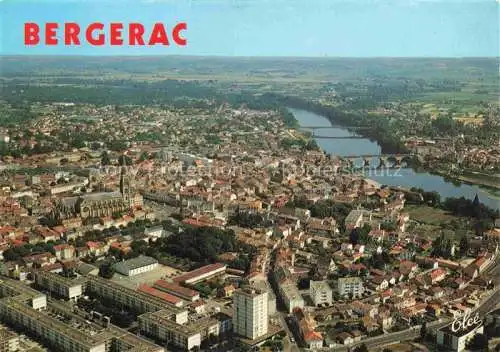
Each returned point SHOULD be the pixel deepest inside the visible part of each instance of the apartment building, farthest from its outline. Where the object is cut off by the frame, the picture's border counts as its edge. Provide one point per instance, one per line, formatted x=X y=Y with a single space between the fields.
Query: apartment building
x=49 y=329
x=159 y=319
x=250 y=318
x=350 y=286
x=139 y=301
x=320 y=292
x=291 y=296
x=61 y=286
x=161 y=325
x=24 y=293
x=9 y=340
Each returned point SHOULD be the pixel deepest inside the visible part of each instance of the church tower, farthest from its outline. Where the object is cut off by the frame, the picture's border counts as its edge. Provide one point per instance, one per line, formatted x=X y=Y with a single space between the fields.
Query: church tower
x=125 y=187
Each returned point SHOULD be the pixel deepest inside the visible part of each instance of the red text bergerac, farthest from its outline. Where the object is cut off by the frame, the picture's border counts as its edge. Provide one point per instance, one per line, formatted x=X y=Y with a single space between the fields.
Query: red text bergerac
x=98 y=34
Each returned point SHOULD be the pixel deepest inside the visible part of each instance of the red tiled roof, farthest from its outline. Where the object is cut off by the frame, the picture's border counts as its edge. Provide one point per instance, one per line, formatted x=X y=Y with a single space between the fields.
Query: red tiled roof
x=160 y=294
x=198 y=303
x=175 y=288
x=91 y=244
x=313 y=336
x=60 y=247
x=200 y=271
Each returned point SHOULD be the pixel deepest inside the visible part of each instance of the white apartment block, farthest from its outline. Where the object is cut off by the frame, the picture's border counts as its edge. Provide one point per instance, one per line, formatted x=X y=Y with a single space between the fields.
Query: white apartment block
x=59 y=285
x=162 y=326
x=320 y=292
x=291 y=296
x=350 y=286
x=251 y=316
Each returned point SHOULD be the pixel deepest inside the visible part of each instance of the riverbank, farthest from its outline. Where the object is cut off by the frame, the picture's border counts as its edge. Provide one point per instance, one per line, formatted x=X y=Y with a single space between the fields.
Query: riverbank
x=446 y=186
x=489 y=183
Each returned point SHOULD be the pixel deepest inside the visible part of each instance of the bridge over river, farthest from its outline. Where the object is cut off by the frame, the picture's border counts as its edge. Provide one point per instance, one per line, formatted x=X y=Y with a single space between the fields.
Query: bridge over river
x=383 y=159
x=315 y=131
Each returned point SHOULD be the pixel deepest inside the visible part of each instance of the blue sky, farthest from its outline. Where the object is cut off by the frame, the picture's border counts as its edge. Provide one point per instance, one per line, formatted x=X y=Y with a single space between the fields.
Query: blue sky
x=334 y=28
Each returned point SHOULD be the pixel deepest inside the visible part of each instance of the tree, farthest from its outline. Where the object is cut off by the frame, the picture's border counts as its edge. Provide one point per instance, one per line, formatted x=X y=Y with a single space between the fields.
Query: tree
x=107 y=270
x=10 y=254
x=464 y=245
x=105 y=160
x=144 y=156
x=362 y=348
x=124 y=160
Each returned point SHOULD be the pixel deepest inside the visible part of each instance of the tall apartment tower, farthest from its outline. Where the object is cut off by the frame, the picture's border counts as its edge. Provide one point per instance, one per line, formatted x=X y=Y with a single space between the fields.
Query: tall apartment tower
x=250 y=312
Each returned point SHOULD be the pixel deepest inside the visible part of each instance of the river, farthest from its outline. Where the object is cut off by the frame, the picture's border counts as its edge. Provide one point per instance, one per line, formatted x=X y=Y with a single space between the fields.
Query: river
x=405 y=177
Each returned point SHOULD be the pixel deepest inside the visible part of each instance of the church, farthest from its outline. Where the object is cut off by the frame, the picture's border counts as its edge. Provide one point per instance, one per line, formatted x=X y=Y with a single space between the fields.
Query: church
x=100 y=204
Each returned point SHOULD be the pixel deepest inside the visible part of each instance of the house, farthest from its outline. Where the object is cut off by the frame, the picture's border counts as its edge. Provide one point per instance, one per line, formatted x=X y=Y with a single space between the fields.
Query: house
x=64 y=251
x=436 y=292
x=459 y=283
x=379 y=283
x=39 y=260
x=227 y=291
x=97 y=248
x=470 y=271
x=345 y=338
x=47 y=234
x=377 y=235
x=357 y=218
x=313 y=340
x=364 y=309
x=437 y=275
x=385 y=321
x=306 y=325
x=154 y=232
x=356 y=335
x=198 y=306
x=369 y=324
x=323 y=267
x=408 y=268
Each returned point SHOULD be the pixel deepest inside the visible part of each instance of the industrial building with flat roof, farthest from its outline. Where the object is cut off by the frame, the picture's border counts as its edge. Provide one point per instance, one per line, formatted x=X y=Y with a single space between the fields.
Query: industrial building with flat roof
x=204 y=273
x=136 y=266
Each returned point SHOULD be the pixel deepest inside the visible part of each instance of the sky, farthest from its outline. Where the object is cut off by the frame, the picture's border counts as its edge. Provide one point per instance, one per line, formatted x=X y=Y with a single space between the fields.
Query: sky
x=313 y=28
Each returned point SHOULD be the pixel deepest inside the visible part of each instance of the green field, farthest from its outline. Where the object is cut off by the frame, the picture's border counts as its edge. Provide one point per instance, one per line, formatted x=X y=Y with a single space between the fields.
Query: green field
x=429 y=215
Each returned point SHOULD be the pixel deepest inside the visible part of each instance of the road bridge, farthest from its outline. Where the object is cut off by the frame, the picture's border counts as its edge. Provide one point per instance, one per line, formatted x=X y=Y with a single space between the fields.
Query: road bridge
x=337 y=137
x=383 y=159
x=335 y=126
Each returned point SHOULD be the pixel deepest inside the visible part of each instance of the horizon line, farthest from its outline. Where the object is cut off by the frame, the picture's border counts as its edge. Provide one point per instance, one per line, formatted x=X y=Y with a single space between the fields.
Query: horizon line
x=240 y=56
